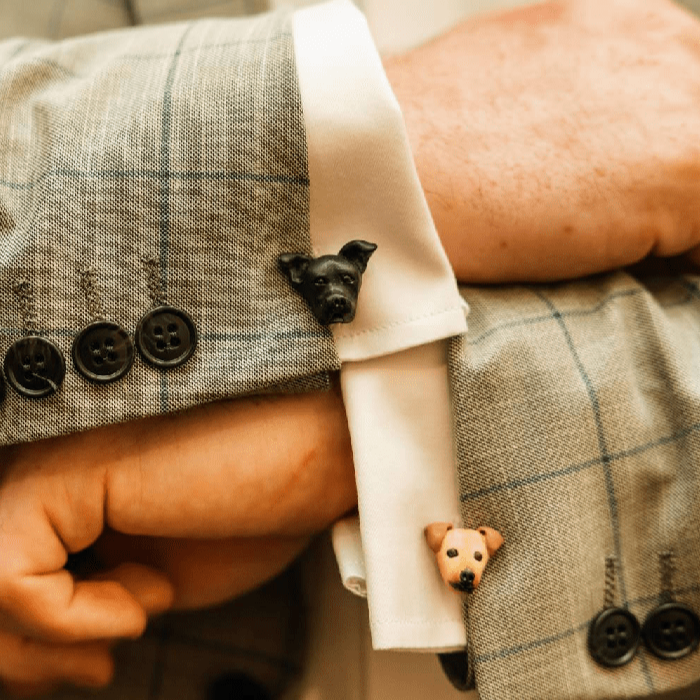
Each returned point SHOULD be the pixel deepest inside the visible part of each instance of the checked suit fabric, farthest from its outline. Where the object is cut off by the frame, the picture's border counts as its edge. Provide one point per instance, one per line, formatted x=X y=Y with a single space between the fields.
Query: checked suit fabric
x=183 y=143
x=577 y=416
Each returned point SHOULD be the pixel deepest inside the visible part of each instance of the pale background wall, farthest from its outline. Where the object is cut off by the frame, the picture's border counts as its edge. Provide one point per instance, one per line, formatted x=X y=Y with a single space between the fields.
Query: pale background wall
x=395 y=24
x=399 y=24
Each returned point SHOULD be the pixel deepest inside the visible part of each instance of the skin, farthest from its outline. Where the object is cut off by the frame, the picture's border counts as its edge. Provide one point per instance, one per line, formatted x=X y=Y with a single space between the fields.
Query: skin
x=184 y=510
x=558 y=140
x=553 y=141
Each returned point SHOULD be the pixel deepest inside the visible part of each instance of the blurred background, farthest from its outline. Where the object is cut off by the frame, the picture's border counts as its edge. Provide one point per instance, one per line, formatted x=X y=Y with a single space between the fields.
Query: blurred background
x=395 y=24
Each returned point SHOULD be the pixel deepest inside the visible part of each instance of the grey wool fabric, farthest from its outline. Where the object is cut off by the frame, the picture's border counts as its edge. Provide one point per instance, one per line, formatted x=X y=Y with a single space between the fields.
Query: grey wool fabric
x=183 y=144
x=577 y=414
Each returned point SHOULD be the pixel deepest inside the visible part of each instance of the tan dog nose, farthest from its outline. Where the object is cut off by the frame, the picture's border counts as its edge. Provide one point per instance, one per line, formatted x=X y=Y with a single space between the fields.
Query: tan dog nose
x=462 y=554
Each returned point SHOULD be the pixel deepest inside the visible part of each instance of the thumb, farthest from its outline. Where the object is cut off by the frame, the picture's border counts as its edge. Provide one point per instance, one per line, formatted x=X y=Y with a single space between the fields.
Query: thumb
x=150 y=588
x=41 y=524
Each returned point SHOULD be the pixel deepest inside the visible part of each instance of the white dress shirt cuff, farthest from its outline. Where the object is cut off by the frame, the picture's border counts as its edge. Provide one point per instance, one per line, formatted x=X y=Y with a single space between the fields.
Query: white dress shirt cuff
x=363 y=185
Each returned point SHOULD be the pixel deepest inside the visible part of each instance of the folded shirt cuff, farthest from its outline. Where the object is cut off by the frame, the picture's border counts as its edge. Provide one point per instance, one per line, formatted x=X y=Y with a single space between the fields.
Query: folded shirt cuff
x=347 y=546
x=363 y=184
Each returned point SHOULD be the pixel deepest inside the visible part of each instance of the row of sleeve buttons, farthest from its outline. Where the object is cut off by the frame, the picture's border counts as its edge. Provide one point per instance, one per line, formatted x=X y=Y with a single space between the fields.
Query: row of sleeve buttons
x=102 y=352
x=670 y=632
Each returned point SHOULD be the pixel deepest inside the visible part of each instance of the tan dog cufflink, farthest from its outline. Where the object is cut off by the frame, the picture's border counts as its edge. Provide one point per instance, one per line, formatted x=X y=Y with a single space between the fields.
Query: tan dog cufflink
x=461 y=554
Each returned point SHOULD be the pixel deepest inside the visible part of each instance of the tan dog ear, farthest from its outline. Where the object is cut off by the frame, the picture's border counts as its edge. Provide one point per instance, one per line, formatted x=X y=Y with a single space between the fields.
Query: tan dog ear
x=435 y=534
x=493 y=539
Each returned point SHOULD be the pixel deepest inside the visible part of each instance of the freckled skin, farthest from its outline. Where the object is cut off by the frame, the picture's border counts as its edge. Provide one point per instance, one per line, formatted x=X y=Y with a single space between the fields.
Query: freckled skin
x=569 y=131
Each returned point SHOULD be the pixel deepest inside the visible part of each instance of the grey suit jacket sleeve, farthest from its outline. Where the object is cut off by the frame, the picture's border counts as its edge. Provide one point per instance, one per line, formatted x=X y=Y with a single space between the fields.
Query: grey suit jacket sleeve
x=577 y=414
x=178 y=149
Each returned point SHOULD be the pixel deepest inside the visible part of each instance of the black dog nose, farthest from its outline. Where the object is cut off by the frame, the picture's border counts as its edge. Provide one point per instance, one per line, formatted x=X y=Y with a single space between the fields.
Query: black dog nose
x=466 y=576
x=340 y=304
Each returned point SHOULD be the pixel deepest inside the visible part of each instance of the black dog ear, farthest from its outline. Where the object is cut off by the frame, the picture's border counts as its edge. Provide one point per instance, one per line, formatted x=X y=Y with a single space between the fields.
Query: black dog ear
x=294 y=265
x=358 y=253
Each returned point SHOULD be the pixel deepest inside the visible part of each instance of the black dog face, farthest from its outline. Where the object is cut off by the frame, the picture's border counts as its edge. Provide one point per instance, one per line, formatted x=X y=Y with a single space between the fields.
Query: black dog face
x=329 y=283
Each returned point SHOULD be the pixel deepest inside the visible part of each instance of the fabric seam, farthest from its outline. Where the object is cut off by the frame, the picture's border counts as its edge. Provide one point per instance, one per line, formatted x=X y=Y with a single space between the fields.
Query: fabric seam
x=402 y=322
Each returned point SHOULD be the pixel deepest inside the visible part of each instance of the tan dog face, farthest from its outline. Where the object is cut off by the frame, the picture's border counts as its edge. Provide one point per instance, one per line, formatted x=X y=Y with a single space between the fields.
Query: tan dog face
x=462 y=555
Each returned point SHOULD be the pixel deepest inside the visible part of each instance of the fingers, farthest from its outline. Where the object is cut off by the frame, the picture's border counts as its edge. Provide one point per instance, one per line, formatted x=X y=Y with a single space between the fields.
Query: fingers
x=151 y=589
x=40 y=522
x=204 y=572
x=112 y=604
x=253 y=467
x=28 y=666
x=42 y=518
x=57 y=608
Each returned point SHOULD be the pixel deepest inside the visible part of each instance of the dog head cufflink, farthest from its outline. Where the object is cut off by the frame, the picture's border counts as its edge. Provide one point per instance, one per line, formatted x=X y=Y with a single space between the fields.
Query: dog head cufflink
x=329 y=283
x=461 y=554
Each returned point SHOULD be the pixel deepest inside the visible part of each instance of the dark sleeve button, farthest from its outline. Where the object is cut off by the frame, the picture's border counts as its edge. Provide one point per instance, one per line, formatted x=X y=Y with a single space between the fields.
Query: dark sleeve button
x=455 y=667
x=103 y=352
x=237 y=686
x=166 y=337
x=613 y=637
x=671 y=631
x=34 y=367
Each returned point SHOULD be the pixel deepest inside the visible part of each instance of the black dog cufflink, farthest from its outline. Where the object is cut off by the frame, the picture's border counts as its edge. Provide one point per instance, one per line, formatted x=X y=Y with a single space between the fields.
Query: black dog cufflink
x=329 y=283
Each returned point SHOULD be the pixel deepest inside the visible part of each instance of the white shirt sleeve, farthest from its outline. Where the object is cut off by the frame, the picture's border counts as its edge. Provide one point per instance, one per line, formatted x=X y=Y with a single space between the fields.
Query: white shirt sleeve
x=394 y=371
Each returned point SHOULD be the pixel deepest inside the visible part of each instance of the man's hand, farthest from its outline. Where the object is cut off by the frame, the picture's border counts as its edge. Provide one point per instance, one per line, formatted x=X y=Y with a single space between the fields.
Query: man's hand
x=188 y=510
x=558 y=140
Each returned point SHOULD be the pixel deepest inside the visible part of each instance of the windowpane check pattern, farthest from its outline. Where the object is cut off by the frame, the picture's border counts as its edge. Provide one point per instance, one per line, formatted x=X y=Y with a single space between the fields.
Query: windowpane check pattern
x=182 y=143
x=577 y=410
